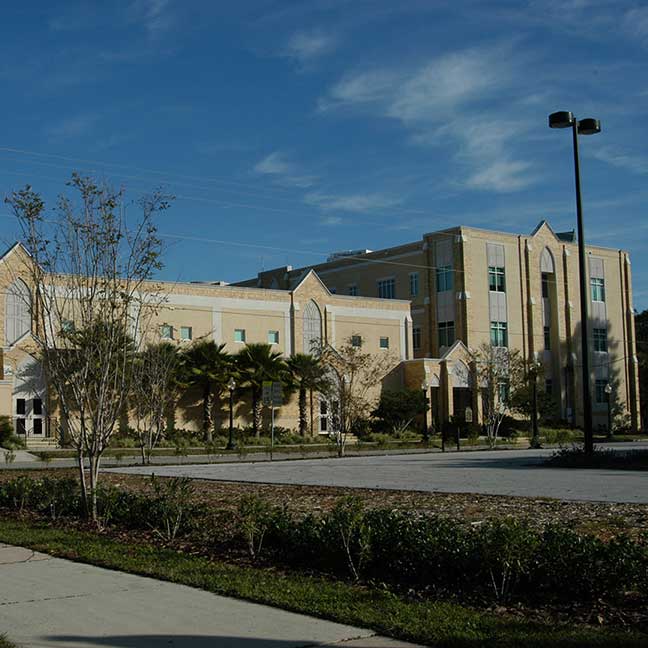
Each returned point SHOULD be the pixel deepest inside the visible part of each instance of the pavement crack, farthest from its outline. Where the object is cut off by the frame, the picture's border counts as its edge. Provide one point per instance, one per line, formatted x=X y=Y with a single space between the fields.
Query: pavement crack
x=56 y=598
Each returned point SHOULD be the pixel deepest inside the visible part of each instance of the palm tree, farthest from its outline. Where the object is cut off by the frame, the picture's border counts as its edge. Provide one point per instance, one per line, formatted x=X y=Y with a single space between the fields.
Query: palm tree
x=310 y=375
x=258 y=363
x=207 y=366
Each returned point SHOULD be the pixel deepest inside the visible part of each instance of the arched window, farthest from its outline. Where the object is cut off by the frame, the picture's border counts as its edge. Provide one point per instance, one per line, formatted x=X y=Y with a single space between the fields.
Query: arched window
x=312 y=328
x=547 y=262
x=17 y=312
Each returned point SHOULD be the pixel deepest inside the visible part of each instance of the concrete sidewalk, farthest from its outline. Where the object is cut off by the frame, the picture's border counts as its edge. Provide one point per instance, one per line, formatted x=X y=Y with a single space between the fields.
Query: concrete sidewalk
x=48 y=602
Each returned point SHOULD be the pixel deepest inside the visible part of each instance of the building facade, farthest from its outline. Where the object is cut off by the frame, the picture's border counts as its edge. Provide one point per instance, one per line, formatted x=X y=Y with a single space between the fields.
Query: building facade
x=477 y=287
x=290 y=321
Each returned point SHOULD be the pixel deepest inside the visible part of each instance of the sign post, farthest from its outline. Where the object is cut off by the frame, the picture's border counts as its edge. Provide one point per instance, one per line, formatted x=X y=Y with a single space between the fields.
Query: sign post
x=272 y=395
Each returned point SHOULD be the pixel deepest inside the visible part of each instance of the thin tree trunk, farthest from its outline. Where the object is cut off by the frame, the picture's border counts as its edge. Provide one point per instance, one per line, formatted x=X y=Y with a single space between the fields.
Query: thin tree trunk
x=94 y=474
x=82 y=482
x=312 y=422
x=303 y=423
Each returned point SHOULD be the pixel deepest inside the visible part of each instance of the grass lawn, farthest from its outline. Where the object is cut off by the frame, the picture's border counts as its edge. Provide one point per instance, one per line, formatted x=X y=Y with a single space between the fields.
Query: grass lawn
x=435 y=623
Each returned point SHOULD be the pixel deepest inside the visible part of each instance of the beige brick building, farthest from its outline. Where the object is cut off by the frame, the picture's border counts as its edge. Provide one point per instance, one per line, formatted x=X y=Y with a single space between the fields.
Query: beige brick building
x=522 y=291
x=232 y=315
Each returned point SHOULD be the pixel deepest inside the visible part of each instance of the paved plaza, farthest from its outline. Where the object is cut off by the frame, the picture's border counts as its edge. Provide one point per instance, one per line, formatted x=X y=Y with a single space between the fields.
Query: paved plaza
x=500 y=472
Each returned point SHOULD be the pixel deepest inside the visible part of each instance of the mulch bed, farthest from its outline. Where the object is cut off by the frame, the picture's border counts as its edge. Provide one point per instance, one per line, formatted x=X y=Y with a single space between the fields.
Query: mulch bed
x=604 y=519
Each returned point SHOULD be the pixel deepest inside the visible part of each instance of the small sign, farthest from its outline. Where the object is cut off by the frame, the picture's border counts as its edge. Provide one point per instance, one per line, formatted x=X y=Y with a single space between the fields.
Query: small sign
x=469 y=415
x=277 y=394
x=266 y=394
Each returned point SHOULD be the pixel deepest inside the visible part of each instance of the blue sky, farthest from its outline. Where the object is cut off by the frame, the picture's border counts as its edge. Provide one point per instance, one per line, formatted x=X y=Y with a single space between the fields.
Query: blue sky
x=288 y=130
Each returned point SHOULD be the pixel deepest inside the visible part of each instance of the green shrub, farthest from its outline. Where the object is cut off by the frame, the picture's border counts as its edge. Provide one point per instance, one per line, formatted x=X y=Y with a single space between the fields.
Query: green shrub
x=255 y=517
x=8 y=439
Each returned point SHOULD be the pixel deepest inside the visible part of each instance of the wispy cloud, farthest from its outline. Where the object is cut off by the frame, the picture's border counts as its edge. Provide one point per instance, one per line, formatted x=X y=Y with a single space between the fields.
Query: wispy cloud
x=445 y=100
x=635 y=23
x=356 y=203
x=155 y=16
x=283 y=170
x=73 y=127
x=623 y=160
x=331 y=221
x=306 y=46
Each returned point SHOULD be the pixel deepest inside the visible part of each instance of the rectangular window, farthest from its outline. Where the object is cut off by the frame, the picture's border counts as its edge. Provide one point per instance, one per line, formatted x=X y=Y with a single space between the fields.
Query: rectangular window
x=600 y=339
x=353 y=290
x=416 y=337
x=549 y=387
x=38 y=426
x=547 y=338
x=499 y=334
x=186 y=333
x=273 y=337
x=21 y=427
x=384 y=343
x=356 y=340
x=444 y=278
x=545 y=285
x=446 y=334
x=598 y=289
x=496 y=279
x=20 y=405
x=166 y=332
x=601 y=395
x=239 y=335
x=387 y=289
x=37 y=406
x=414 y=284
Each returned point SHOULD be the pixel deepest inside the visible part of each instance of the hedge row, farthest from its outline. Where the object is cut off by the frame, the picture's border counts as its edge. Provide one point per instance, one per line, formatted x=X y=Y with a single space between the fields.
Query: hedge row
x=501 y=561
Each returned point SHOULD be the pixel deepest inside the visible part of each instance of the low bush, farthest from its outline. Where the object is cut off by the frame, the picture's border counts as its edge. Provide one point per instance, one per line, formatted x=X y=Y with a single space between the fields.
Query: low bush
x=498 y=561
x=8 y=439
x=576 y=457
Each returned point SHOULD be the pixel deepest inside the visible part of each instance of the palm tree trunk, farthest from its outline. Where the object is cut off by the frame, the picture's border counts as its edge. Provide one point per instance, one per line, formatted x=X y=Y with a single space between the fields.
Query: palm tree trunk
x=312 y=422
x=303 y=424
x=257 y=420
x=207 y=412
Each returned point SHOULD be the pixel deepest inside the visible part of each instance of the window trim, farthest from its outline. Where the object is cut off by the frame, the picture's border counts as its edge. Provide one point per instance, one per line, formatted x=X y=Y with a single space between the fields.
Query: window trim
x=414 y=286
x=444 y=278
x=243 y=336
x=498 y=273
x=386 y=281
x=356 y=338
x=170 y=328
x=499 y=333
x=186 y=339
x=443 y=331
x=380 y=342
x=275 y=336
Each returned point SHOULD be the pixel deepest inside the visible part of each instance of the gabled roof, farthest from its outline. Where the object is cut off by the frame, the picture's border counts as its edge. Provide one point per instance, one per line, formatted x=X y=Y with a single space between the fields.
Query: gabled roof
x=305 y=277
x=457 y=349
x=16 y=246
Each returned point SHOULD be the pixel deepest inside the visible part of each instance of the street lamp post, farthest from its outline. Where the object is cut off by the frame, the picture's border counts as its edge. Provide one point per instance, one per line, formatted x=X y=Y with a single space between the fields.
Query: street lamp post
x=533 y=375
x=608 y=391
x=231 y=385
x=426 y=430
x=588 y=126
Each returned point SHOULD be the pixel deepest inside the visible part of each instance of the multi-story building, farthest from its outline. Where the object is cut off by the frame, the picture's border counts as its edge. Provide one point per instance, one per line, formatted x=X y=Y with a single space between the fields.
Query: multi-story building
x=520 y=291
x=289 y=321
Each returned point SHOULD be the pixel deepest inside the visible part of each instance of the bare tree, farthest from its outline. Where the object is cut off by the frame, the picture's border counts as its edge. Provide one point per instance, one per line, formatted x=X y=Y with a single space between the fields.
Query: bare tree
x=89 y=270
x=153 y=392
x=353 y=387
x=500 y=374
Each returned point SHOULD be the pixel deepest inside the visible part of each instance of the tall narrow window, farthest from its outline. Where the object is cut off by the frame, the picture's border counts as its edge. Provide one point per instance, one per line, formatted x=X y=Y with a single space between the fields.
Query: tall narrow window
x=416 y=337
x=414 y=284
x=37 y=405
x=446 y=334
x=499 y=334
x=353 y=290
x=600 y=340
x=17 y=311
x=20 y=406
x=444 y=278
x=598 y=289
x=546 y=278
x=547 y=338
x=496 y=281
x=387 y=289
